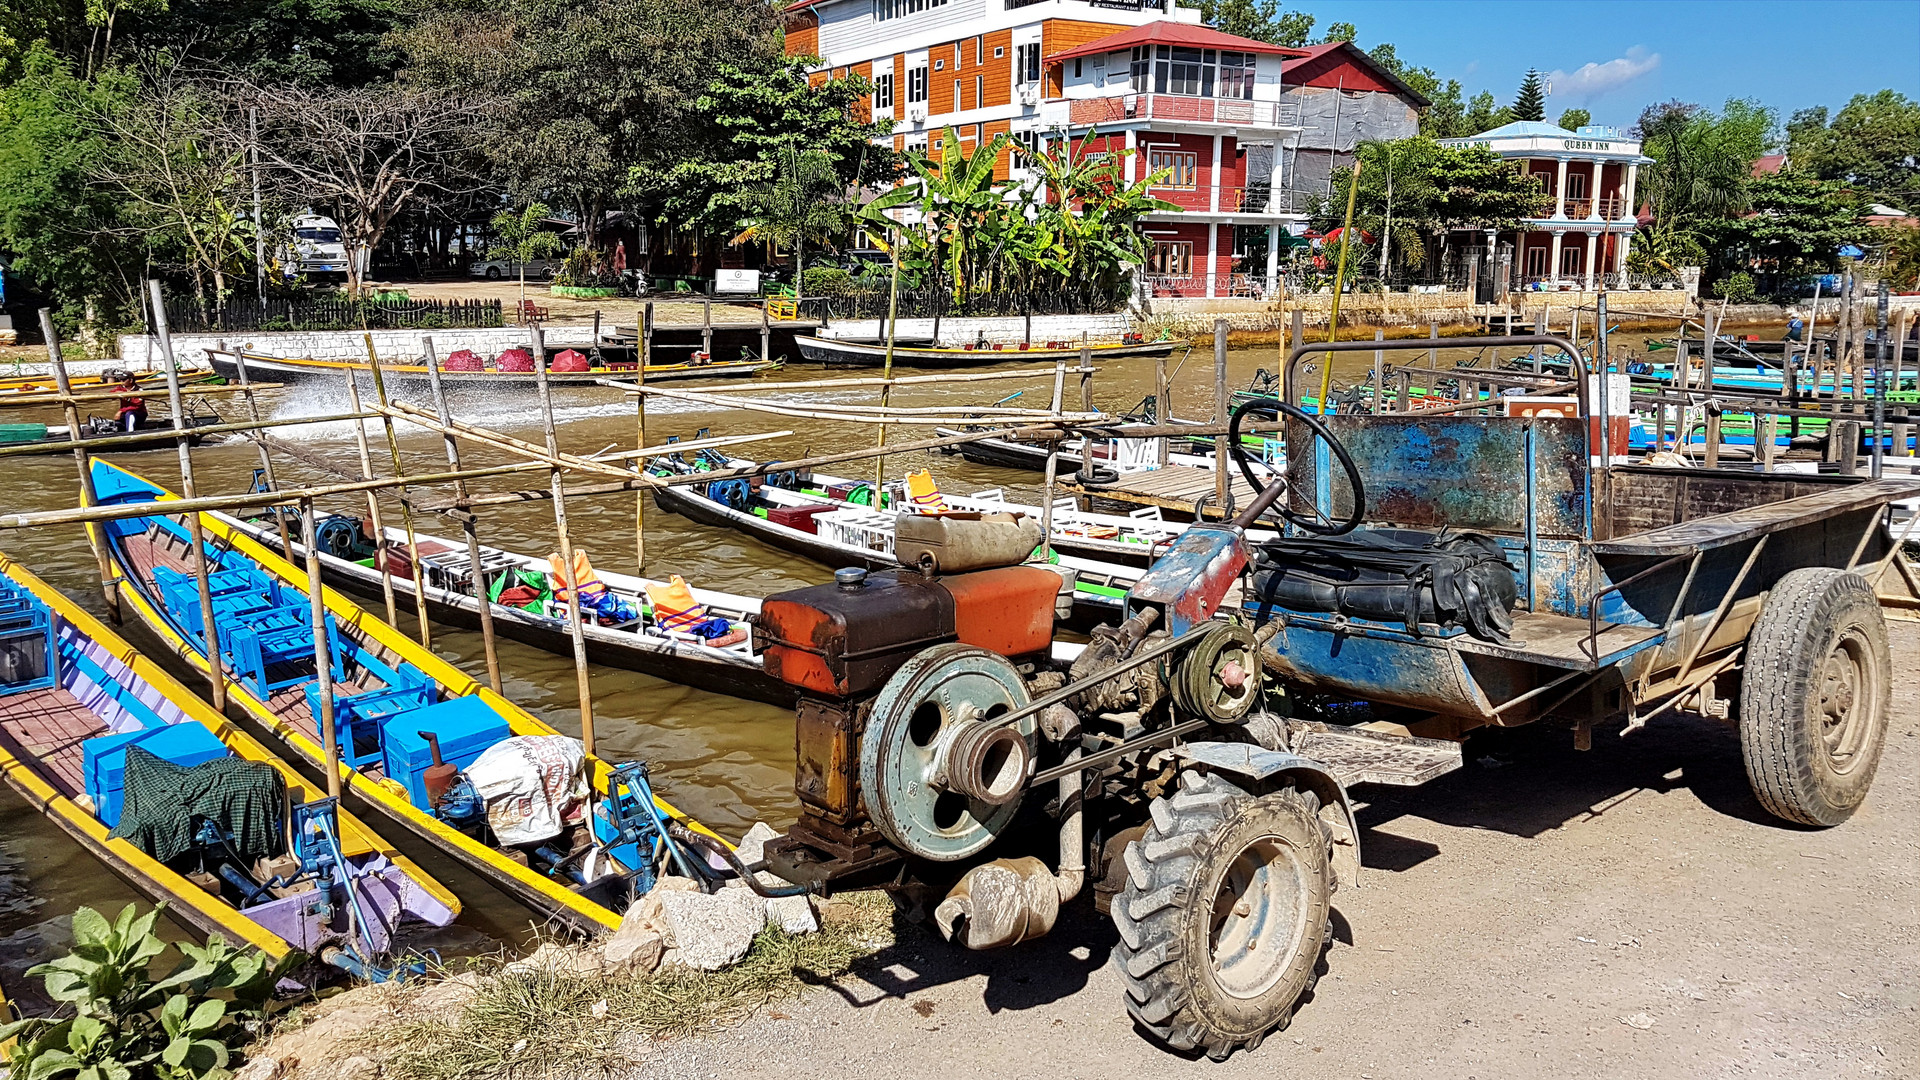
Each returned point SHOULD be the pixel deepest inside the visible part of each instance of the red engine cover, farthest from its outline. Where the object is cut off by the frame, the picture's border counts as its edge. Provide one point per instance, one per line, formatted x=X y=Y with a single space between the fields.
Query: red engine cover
x=1008 y=610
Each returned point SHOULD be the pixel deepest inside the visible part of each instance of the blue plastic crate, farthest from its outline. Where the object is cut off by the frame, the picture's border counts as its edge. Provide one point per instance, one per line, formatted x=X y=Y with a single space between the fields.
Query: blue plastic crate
x=104 y=760
x=465 y=726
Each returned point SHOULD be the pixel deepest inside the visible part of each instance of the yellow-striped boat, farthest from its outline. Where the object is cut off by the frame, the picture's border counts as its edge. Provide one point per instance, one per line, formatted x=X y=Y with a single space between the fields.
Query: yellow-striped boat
x=386 y=687
x=73 y=694
x=21 y=391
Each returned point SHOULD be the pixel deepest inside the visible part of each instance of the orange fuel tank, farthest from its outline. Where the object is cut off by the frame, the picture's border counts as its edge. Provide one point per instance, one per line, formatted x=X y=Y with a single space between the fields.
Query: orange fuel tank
x=1008 y=610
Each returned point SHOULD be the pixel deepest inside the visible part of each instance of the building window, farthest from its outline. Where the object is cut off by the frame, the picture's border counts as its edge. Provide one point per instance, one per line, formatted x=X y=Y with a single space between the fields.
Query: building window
x=1026 y=63
x=979 y=91
x=883 y=91
x=1141 y=71
x=1182 y=169
x=957 y=105
x=893 y=9
x=1236 y=75
x=916 y=85
x=999 y=51
x=939 y=65
x=1030 y=139
x=1171 y=258
x=979 y=48
x=1077 y=69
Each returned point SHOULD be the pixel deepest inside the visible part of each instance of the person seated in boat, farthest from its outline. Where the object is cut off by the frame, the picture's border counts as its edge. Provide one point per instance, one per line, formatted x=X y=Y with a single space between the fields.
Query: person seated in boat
x=133 y=410
x=1795 y=327
x=606 y=607
x=676 y=611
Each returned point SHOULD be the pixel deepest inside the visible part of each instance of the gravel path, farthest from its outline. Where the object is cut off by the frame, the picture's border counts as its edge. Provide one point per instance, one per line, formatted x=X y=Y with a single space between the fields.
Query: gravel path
x=1626 y=912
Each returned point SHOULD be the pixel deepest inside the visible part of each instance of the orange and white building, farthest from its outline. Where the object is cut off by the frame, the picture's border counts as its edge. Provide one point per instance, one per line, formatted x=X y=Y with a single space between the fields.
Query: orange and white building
x=1244 y=130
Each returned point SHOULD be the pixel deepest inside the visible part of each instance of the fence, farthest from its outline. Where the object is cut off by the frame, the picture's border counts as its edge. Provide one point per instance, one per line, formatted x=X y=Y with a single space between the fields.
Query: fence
x=185 y=314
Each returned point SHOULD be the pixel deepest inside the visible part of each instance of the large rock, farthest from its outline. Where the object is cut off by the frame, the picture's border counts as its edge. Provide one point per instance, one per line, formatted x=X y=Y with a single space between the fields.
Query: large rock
x=633 y=948
x=713 y=930
x=260 y=1068
x=793 y=914
x=450 y=994
x=647 y=914
x=357 y=1068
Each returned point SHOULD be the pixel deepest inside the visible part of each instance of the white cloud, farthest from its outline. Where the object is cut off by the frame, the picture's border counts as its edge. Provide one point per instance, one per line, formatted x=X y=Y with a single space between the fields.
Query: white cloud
x=1591 y=81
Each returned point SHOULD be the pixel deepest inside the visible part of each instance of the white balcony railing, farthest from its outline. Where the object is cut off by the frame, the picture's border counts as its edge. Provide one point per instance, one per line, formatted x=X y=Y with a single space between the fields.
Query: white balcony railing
x=1178 y=108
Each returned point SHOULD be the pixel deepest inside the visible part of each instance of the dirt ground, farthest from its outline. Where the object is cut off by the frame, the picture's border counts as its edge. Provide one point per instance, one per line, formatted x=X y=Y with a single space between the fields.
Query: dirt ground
x=1624 y=912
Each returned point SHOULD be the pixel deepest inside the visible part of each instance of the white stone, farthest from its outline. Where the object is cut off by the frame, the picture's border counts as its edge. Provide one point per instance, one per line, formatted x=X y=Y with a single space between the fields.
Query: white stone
x=793 y=914
x=712 y=930
x=549 y=956
x=633 y=948
x=449 y=994
x=357 y=1068
x=260 y=1068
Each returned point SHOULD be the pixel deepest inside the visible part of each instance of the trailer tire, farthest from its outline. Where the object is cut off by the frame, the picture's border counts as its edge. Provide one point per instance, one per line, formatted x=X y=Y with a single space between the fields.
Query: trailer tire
x=1188 y=935
x=1815 y=696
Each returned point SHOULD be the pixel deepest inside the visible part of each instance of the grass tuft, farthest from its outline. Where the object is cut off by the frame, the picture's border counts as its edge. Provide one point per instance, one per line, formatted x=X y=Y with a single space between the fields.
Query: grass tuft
x=536 y=1024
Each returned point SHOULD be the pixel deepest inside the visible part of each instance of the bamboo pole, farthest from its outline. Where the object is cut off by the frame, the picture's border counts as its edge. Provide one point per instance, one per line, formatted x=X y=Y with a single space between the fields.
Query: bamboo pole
x=86 y=397
x=944 y=414
x=506 y=442
x=640 y=436
x=210 y=629
x=469 y=526
x=762 y=386
x=406 y=511
x=555 y=480
x=322 y=650
x=1221 y=473
x=381 y=545
x=1339 y=276
x=886 y=386
x=1163 y=402
x=1050 y=489
x=260 y=440
x=1880 y=382
x=109 y=580
x=108 y=442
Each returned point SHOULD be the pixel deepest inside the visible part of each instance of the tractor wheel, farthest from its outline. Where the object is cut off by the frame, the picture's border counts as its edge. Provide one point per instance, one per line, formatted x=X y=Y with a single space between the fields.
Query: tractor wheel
x=1815 y=696
x=1225 y=913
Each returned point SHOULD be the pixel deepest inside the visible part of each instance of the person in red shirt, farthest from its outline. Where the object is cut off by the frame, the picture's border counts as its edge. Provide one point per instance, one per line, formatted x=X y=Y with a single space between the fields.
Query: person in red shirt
x=133 y=410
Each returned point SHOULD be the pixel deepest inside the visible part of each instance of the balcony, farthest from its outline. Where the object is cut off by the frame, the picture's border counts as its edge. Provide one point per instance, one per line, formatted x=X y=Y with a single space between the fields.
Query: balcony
x=1180 y=109
x=1258 y=199
x=1607 y=208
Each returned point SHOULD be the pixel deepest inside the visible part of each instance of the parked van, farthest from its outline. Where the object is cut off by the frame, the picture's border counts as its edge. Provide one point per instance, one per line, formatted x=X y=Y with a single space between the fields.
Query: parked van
x=316 y=247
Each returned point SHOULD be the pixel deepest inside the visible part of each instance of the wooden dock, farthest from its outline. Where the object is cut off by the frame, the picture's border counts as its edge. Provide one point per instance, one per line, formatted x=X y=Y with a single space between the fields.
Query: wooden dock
x=1171 y=487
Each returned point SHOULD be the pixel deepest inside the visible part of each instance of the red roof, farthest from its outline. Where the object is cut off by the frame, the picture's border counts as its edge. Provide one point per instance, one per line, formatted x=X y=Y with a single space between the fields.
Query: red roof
x=1770 y=163
x=1342 y=63
x=1166 y=32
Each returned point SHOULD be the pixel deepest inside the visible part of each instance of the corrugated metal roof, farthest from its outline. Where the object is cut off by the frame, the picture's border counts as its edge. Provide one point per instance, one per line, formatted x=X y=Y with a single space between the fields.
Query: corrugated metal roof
x=1167 y=32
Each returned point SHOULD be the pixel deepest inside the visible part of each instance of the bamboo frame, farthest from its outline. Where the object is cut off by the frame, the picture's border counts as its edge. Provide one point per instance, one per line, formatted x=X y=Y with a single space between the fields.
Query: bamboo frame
x=83 y=461
x=469 y=527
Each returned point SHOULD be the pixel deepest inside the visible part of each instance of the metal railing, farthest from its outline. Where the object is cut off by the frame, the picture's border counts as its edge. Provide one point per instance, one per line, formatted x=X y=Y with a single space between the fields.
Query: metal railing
x=1086 y=112
x=1255 y=199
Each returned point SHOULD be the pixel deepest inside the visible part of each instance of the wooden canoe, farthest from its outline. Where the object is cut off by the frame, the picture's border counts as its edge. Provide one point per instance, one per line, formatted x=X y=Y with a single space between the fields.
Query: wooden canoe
x=417 y=377
x=143 y=546
x=100 y=685
x=836 y=352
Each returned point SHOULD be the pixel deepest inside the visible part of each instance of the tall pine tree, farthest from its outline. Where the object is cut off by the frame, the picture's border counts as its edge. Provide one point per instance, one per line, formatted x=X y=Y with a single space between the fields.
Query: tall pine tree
x=1531 y=103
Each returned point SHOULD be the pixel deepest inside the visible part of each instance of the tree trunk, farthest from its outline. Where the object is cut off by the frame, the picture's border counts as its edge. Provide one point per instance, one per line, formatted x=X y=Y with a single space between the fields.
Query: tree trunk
x=799 y=270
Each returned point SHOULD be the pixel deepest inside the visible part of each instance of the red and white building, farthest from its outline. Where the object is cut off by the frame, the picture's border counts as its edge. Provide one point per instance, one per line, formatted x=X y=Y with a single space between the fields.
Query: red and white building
x=1243 y=129
x=1593 y=175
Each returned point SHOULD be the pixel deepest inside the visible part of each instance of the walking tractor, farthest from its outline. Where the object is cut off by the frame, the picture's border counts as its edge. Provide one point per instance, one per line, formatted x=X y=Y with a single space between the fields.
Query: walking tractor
x=1498 y=564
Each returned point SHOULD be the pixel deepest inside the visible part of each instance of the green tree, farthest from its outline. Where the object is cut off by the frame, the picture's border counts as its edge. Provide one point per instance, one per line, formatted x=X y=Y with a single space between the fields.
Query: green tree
x=754 y=118
x=1873 y=143
x=1575 y=119
x=1531 y=102
x=67 y=233
x=519 y=235
x=1261 y=20
x=1702 y=162
x=1340 y=31
x=1446 y=118
x=1484 y=115
x=804 y=201
x=590 y=90
x=1794 y=224
x=1413 y=192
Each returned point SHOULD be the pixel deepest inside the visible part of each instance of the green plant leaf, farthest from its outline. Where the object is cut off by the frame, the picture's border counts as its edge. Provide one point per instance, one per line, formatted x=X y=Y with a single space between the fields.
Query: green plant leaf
x=206 y=1016
x=91 y=928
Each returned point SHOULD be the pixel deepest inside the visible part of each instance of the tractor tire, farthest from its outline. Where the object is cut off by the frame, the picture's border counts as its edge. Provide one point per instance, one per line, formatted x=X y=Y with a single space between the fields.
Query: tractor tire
x=1815 y=696
x=1219 y=873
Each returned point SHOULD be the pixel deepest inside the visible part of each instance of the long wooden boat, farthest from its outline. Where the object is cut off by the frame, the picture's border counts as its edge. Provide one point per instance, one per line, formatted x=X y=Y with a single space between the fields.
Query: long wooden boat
x=417 y=377
x=25 y=391
x=272 y=677
x=73 y=693
x=859 y=536
x=642 y=644
x=836 y=352
x=1019 y=454
x=158 y=434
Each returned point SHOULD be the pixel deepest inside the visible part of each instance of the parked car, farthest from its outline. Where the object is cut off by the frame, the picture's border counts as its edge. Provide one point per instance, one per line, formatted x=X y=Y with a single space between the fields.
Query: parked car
x=496 y=269
x=316 y=247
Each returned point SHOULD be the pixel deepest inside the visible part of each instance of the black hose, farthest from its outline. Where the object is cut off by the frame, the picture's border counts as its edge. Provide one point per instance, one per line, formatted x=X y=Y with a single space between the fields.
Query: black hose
x=684 y=835
x=1270 y=492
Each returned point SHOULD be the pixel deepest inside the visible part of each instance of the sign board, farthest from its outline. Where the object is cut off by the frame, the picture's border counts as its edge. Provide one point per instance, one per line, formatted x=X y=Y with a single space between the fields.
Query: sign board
x=736 y=281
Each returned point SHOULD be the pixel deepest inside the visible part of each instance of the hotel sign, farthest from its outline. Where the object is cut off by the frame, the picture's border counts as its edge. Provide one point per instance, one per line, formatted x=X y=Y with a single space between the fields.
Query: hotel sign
x=1584 y=144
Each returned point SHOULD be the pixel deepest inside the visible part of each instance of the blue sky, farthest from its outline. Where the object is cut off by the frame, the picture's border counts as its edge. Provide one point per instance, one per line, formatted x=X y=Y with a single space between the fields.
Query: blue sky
x=1613 y=57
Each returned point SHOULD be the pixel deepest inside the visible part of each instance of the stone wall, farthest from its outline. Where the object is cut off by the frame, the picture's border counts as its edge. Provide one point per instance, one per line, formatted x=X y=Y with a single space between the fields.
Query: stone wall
x=1196 y=316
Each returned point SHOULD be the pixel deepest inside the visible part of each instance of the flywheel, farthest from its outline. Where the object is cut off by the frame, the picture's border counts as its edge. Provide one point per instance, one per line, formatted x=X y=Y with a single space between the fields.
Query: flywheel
x=1219 y=678
x=940 y=776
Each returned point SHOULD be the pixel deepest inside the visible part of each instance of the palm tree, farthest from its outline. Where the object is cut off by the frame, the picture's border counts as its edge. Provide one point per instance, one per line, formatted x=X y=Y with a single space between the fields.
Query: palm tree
x=522 y=239
x=802 y=202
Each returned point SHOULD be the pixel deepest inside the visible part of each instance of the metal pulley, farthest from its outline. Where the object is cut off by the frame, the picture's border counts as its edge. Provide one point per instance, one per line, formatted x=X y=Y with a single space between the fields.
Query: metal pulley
x=1219 y=678
x=939 y=777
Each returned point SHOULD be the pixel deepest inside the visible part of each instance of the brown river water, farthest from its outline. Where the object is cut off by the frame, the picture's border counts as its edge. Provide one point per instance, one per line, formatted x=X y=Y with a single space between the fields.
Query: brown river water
x=726 y=761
